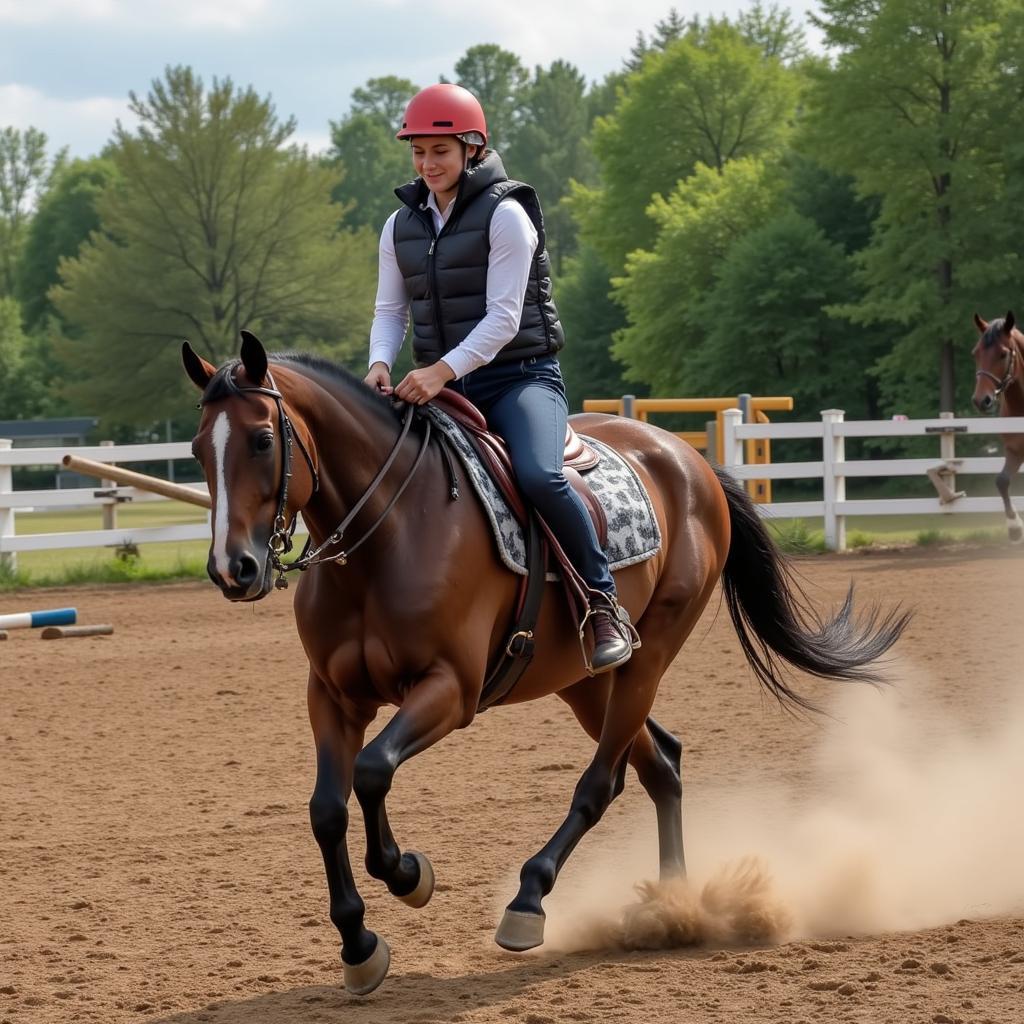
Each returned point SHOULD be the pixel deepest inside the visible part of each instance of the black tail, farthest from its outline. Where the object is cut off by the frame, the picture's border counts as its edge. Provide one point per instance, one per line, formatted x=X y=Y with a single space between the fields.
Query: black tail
x=775 y=621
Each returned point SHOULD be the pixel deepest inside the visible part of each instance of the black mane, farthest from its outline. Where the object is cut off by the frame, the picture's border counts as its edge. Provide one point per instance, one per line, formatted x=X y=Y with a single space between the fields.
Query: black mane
x=223 y=384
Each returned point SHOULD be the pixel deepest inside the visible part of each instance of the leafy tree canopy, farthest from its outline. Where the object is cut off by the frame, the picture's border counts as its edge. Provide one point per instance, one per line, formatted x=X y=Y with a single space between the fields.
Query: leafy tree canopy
x=213 y=225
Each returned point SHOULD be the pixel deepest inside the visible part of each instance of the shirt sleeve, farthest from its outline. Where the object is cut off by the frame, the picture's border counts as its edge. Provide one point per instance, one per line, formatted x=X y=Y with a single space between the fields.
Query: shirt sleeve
x=391 y=310
x=513 y=241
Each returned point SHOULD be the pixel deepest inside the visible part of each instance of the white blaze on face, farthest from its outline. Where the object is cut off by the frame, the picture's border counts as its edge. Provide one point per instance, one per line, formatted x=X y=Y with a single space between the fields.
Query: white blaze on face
x=221 y=433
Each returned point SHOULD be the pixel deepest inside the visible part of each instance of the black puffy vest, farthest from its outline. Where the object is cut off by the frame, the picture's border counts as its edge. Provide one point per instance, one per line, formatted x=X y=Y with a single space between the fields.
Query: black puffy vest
x=446 y=274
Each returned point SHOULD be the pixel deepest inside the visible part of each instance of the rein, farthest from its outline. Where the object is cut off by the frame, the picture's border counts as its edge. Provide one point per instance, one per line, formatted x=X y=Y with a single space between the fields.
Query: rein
x=1001 y=384
x=280 y=542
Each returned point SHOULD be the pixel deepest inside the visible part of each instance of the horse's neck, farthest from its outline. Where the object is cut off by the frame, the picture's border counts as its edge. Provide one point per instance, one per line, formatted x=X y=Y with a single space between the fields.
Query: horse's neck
x=1013 y=397
x=352 y=440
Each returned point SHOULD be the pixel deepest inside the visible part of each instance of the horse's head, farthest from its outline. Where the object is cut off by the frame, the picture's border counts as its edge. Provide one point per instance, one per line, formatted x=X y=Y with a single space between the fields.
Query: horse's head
x=996 y=360
x=247 y=444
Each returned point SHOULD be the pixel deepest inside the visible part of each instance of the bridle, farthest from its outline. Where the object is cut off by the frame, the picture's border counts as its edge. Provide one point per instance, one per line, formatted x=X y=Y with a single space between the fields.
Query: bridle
x=280 y=542
x=1002 y=383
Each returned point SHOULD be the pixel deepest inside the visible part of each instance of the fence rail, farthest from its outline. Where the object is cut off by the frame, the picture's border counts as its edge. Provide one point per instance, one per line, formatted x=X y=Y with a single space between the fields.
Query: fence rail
x=737 y=438
x=834 y=469
x=101 y=497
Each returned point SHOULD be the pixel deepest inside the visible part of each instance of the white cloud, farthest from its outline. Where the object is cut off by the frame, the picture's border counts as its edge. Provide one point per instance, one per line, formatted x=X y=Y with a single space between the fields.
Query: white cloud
x=75 y=123
x=234 y=15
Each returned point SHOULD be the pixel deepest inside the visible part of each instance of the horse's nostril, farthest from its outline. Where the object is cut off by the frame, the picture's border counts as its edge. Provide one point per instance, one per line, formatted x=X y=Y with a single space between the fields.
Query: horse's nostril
x=246 y=570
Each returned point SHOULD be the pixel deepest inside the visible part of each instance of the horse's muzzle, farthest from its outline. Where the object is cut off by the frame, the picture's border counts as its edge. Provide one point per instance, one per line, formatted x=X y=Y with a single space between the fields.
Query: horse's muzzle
x=984 y=403
x=248 y=578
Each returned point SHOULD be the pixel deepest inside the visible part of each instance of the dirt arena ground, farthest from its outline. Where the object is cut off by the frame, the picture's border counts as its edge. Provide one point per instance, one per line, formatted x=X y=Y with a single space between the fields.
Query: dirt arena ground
x=156 y=862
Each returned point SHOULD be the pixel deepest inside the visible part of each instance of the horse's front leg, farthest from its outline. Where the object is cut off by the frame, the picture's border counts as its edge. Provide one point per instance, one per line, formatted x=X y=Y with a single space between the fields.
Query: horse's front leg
x=433 y=708
x=1014 y=526
x=338 y=730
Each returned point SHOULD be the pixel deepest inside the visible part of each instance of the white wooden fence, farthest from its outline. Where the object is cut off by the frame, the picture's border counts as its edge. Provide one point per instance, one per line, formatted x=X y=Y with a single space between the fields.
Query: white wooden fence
x=98 y=496
x=833 y=469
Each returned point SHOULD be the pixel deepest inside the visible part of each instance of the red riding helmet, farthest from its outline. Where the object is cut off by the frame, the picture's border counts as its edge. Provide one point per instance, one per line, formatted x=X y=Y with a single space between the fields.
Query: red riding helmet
x=445 y=109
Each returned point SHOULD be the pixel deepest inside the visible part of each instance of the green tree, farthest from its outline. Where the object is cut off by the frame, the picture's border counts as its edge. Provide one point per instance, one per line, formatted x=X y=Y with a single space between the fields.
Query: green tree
x=214 y=225
x=497 y=78
x=663 y=289
x=385 y=98
x=767 y=325
x=590 y=317
x=918 y=108
x=26 y=369
x=773 y=29
x=549 y=149
x=64 y=219
x=708 y=98
x=672 y=27
x=24 y=170
x=373 y=163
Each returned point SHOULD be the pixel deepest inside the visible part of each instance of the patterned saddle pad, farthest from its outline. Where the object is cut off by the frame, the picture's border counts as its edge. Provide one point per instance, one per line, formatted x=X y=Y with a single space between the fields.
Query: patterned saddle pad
x=633 y=534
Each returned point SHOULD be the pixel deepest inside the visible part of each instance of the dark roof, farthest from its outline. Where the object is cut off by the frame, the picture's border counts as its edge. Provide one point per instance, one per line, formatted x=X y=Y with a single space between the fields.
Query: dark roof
x=76 y=427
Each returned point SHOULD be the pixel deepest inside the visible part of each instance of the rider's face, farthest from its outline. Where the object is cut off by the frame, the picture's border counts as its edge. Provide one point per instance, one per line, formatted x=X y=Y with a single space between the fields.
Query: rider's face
x=439 y=160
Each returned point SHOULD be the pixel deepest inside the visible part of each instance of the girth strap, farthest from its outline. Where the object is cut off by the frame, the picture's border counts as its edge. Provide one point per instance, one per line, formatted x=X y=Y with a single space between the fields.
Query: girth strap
x=518 y=652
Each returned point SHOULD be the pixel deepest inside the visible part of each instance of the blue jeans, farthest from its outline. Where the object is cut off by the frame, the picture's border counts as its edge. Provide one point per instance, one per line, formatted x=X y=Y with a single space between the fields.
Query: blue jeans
x=524 y=403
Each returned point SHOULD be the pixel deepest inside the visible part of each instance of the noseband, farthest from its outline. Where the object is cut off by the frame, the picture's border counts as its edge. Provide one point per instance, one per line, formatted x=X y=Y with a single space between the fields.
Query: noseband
x=1001 y=384
x=280 y=542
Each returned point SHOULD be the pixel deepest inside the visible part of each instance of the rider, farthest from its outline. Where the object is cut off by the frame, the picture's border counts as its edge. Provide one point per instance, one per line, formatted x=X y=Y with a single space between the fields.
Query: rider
x=466 y=252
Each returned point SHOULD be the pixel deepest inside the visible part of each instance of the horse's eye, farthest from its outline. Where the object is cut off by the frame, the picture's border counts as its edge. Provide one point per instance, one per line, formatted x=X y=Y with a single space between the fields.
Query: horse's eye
x=264 y=442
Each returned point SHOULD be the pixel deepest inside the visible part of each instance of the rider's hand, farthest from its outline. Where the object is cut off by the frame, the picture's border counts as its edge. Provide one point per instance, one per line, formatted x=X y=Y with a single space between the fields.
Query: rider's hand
x=379 y=378
x=421 y=386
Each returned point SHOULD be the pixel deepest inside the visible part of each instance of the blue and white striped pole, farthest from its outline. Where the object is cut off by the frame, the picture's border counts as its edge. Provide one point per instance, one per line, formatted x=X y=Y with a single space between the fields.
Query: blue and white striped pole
x=32 y=620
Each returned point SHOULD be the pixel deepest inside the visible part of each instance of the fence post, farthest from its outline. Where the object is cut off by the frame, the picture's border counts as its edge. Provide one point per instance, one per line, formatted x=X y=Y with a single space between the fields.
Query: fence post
x=732 y=447
x=947 y=448
x=711 y=451
x=8 y=559
x=628 y=409
x=833 y=449
x=109 y=509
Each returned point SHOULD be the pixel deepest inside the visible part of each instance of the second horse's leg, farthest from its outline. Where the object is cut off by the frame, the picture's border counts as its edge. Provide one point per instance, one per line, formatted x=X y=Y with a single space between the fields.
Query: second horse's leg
x=1014 y=526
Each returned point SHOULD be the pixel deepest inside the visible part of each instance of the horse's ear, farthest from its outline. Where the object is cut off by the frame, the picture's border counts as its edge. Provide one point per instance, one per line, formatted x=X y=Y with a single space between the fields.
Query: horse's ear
x=1009 y=322
x=198 y=369
x=254 y=358
x=980 y=324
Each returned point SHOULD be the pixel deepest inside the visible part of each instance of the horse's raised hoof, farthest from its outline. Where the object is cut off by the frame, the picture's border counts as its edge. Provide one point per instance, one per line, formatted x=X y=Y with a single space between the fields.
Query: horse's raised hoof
x=520 y=931
x=420 y=896
x=362 y=979
x=1016 y=532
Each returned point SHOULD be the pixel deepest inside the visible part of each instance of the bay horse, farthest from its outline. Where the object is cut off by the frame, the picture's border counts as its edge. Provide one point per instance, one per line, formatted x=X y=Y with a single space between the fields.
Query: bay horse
x=413 y=609
x=998 y=361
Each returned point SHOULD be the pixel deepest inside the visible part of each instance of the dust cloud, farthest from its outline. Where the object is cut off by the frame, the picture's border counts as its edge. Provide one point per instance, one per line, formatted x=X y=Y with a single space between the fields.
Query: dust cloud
x=907 y=819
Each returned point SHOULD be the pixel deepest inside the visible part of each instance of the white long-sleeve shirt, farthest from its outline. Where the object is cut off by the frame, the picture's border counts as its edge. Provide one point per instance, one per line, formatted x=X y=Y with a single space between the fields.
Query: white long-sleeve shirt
x=513 y=241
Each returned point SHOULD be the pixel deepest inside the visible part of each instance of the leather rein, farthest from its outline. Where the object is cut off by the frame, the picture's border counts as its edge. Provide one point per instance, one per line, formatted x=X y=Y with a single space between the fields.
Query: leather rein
x=280 y=542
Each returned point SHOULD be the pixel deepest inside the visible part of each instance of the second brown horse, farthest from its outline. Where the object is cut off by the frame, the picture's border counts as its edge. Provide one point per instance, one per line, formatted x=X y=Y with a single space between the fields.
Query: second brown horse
x=415 y=615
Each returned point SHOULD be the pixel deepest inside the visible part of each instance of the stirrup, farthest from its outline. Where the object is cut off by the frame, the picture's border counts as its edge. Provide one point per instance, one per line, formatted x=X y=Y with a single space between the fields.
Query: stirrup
x=617 y=614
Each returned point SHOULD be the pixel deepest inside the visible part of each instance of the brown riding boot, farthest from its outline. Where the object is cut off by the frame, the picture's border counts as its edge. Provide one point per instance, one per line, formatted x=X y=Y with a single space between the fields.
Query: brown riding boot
x=614 y=635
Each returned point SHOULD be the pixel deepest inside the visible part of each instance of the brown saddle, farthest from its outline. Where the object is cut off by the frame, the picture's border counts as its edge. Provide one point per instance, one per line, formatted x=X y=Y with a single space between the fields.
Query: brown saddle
x=579 y=458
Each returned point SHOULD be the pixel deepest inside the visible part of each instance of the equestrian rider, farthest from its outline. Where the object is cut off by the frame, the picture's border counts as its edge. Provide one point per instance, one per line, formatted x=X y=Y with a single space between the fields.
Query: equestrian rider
x=465 y=253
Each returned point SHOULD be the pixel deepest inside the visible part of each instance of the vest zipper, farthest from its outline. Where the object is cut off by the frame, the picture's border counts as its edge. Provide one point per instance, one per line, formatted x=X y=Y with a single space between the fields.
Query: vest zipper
x=435 y=296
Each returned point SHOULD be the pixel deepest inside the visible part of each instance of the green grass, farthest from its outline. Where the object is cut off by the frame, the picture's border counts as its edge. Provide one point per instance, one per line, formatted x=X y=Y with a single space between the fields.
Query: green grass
x=69 y=566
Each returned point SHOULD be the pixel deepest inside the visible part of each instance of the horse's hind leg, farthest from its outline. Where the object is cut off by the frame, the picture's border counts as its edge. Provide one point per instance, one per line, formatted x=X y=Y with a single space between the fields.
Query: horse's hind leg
x=632 y=694
x=1014 y=526
x=656 y=756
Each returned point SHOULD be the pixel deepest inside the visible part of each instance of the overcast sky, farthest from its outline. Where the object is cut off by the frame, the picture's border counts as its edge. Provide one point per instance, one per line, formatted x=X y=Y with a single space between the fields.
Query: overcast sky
x=66 y=66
